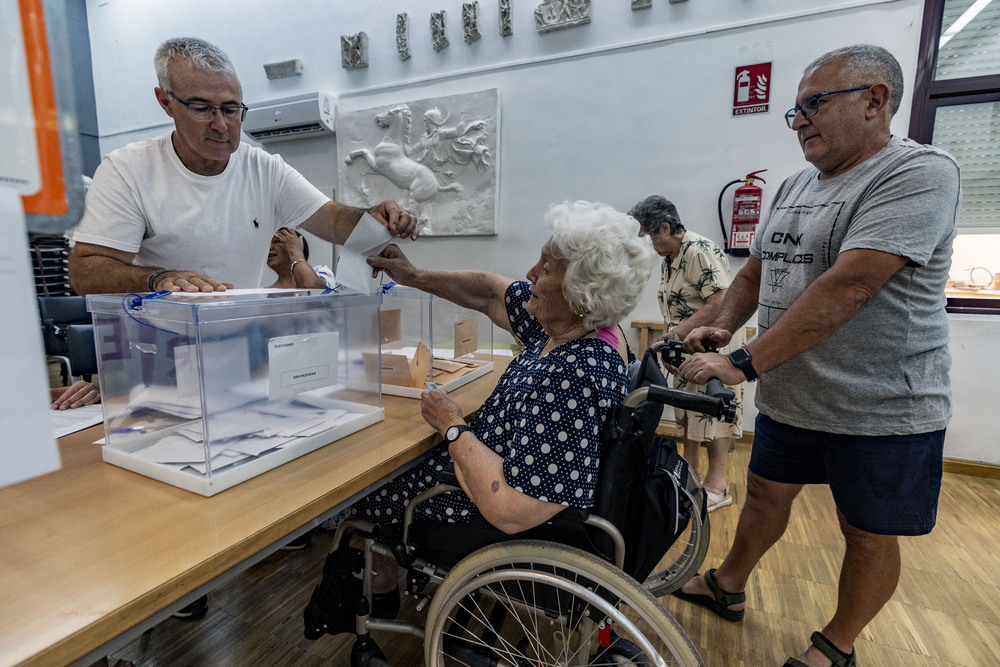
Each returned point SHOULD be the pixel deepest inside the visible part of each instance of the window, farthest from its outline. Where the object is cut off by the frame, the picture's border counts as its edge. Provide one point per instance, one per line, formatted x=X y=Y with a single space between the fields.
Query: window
x=956 y=100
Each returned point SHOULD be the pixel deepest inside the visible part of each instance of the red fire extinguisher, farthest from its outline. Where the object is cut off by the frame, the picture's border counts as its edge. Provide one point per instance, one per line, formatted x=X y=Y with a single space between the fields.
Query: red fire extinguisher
x=746 y=214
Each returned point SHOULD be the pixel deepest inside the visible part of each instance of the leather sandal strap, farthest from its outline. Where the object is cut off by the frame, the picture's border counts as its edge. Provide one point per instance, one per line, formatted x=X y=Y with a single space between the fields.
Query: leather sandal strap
x=722 y=595
x=827 y=648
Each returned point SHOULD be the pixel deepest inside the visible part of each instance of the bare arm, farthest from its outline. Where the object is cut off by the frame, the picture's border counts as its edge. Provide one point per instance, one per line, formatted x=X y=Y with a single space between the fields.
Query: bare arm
x=480 y=472
x=481 y=291
x=334 y=222
x=826 y=305
x=96 y=269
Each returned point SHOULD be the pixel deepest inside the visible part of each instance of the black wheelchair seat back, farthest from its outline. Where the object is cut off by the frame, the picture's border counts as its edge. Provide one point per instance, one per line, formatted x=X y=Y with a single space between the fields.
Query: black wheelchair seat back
x=641 y=475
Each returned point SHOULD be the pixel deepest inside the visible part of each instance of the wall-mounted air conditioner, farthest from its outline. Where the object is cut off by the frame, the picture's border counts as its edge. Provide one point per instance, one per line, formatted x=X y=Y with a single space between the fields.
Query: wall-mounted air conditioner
x=298 y=117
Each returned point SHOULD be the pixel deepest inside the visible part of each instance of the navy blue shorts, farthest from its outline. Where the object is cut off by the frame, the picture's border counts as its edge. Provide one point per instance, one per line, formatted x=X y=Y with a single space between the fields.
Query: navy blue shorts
x=887 y=485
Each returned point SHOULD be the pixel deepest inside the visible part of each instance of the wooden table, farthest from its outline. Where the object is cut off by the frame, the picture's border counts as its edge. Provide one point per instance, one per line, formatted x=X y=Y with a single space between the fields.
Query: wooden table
x=92 y=555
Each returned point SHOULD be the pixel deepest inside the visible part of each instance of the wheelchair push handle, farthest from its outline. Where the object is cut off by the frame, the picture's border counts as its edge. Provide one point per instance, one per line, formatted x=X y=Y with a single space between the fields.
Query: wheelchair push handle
x=717 y=401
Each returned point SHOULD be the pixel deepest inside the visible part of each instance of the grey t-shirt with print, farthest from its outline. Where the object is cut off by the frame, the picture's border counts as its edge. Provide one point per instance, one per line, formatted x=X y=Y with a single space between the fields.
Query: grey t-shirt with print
x=886 y=370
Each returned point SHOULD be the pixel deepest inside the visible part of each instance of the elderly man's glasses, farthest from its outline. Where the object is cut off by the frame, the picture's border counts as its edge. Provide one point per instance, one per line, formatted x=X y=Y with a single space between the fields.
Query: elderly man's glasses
x=204 y=113
x=810 y=105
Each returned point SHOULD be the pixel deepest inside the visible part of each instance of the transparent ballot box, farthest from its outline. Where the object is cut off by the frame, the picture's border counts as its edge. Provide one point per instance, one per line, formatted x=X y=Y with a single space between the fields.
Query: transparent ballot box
x=204 y=391
x=428 y=339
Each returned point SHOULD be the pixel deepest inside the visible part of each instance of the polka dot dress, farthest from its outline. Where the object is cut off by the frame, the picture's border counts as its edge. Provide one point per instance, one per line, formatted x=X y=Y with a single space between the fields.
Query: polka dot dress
x=544 y=418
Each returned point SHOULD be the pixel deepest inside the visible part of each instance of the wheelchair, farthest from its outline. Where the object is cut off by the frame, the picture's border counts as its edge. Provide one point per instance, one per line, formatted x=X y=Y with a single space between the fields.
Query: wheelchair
x=566 y=593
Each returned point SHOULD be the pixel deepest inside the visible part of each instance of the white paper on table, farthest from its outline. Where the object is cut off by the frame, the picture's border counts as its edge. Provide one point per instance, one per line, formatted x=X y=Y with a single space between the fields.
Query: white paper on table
x=302 y=362
x=28 y=447
x=173 y=449
x=256 y=446
x=367 y=239
x=220 y=461
x=76 y=419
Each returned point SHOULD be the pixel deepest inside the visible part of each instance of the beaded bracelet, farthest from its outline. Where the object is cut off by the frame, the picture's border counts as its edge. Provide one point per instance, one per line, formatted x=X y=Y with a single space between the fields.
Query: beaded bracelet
x=153 y=277
x=292 y=270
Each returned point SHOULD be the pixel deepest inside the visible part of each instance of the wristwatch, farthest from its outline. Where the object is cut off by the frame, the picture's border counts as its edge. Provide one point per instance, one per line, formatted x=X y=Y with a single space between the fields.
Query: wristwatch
x=743 y=361
x=455 y=432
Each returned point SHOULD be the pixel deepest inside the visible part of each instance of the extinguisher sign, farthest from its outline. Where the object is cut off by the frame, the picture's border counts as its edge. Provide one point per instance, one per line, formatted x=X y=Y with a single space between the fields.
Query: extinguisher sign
x=752 y=89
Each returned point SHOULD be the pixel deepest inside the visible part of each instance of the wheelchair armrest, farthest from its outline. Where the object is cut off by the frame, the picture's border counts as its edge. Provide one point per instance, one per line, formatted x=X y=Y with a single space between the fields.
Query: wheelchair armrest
x=448 y=475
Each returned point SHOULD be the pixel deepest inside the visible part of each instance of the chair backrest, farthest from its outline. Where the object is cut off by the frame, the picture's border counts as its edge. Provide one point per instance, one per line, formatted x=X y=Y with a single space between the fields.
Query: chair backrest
x=50 y=261
x=57 y=313
x=82 y=350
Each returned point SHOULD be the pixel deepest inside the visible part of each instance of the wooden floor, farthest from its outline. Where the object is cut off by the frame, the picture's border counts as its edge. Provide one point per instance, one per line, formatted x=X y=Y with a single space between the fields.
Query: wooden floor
x=946 y=610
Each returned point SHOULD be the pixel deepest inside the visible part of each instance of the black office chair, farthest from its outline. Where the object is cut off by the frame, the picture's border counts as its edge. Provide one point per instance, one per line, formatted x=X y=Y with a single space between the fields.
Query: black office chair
x=68 y=334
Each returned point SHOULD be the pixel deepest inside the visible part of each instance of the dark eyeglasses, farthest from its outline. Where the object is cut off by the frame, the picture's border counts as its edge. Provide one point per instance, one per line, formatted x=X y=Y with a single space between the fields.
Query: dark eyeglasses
x=810 y=105
x=204 y=113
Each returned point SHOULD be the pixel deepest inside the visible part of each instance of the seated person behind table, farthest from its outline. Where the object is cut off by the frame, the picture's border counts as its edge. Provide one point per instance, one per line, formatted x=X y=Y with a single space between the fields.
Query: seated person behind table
x=287 y=258
x=533 y=448
x=77 y=395
x=195 y=209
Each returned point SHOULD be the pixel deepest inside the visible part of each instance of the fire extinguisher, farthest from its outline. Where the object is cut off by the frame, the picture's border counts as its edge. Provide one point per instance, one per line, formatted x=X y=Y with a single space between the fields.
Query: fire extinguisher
x=746 y=214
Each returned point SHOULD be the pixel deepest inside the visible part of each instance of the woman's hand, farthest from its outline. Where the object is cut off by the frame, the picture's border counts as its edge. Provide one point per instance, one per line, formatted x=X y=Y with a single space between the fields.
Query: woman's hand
x=292 y=243
x=76 y=395
x=395 y=265
x=439 y=410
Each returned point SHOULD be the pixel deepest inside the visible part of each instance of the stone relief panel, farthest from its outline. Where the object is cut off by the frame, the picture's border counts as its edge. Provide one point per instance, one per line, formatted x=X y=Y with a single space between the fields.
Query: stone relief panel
x=470 y=21
x=506 y=18
x=641 y=4
x=560 y=14
x=439 y=36
x=437 y=157
x=403 y=35
x=354 y=51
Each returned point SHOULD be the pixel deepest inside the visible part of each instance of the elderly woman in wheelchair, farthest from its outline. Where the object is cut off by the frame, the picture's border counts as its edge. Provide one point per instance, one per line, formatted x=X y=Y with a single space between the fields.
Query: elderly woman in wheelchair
x=525 y=469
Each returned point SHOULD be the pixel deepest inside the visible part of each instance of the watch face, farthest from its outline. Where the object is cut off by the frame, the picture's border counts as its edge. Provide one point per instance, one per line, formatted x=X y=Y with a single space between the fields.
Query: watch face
x=452 y=433
x=739 y=356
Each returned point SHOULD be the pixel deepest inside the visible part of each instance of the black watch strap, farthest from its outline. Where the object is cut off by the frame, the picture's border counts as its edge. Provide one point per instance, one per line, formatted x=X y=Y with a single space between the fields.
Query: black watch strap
x=742 y=360
x=453 y=433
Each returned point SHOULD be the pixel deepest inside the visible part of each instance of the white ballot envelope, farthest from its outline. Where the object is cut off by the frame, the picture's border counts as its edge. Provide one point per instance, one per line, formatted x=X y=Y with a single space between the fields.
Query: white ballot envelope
x=367 y=240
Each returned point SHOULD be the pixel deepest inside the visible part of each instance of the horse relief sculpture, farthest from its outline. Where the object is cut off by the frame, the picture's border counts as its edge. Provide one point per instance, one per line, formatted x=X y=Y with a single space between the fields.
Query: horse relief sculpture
x=428 y=172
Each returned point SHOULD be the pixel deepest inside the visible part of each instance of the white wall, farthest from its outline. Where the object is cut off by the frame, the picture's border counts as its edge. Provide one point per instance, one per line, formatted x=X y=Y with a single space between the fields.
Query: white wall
x=643 y=108
x=635 y=103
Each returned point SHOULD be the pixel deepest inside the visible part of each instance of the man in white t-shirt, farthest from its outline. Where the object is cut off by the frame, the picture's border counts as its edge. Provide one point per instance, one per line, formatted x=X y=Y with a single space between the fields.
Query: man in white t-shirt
x=195 y=210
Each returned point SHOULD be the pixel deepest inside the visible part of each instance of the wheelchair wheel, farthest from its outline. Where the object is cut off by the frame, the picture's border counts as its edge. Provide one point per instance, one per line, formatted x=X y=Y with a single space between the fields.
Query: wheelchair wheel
x=687 y=553
x=529 y=603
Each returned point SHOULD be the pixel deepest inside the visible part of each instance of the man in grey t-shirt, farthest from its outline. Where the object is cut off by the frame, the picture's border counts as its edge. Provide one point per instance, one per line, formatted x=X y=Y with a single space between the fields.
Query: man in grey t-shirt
x=847 y=277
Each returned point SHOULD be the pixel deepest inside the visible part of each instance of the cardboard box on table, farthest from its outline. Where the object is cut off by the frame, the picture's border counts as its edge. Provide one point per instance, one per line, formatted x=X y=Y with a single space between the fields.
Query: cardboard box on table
x=206 y=391
x=428 y=339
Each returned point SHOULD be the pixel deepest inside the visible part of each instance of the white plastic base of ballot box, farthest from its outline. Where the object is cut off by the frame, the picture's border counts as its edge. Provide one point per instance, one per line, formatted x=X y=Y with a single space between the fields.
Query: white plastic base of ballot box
x=415 y=392
x=233 y=475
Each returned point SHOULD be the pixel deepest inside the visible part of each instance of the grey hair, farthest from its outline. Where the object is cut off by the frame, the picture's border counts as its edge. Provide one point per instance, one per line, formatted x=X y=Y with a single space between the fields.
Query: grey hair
x=866 y=64
x=196 y=52
x=607 y=262
x=653 y=211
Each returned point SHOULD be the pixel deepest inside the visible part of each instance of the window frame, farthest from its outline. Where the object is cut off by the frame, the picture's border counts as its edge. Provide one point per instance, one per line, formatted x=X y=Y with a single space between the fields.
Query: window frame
x=928 y=94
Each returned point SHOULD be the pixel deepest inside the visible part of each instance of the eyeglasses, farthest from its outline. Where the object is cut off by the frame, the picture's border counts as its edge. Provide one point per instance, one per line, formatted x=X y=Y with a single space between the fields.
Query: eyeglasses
x=810 y=105
x=204 y=113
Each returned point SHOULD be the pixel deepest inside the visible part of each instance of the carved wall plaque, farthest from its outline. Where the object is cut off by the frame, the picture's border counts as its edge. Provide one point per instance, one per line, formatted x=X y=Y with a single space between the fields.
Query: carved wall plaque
x=437 y=157
x=506 y=17
x=560 y=14
x=354 y=51
x=403 y=35
x=439 y=36
x=641 y=4
x=470 y=21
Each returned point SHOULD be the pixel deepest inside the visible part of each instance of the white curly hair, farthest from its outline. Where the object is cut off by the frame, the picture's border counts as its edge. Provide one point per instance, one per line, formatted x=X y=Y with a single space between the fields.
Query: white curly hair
x=607 y=262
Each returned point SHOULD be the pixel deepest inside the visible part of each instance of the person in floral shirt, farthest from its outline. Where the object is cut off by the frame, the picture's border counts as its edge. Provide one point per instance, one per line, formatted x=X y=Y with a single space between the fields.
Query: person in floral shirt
x=695 y=276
